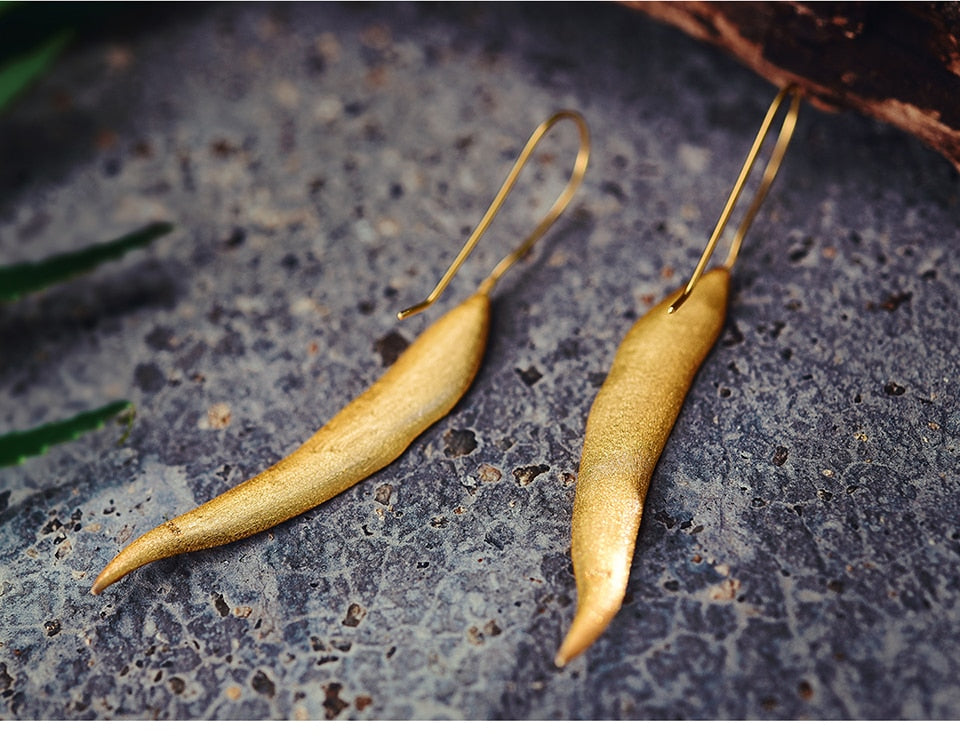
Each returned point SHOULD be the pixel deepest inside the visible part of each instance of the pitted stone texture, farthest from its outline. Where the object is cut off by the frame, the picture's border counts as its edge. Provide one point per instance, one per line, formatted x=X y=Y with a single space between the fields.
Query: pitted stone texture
x=799 y=548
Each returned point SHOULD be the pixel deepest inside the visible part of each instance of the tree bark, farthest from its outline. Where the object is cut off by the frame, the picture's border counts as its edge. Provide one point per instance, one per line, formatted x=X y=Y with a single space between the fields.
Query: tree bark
x=899 y=62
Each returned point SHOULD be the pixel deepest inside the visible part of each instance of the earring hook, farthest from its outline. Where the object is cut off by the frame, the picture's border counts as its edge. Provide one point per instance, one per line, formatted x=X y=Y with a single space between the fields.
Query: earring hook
x=769 y=174
x=576 y=176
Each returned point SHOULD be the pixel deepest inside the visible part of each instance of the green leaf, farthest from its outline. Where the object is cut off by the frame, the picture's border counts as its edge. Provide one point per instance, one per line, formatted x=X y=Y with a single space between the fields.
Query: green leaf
x=20 y=278
x=19 y=72
x=16 y=447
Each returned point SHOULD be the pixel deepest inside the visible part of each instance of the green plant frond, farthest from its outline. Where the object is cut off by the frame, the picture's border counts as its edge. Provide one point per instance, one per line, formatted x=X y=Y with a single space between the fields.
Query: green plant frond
x=21 y=278
x=17 y=73
x=15 y=447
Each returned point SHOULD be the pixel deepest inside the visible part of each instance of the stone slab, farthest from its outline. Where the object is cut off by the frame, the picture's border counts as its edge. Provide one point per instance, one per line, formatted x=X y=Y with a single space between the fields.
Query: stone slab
x=798 y=556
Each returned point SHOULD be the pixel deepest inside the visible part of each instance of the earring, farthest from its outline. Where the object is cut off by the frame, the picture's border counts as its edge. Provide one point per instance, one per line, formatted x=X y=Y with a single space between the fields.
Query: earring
x=373 y=430
x=635 y=410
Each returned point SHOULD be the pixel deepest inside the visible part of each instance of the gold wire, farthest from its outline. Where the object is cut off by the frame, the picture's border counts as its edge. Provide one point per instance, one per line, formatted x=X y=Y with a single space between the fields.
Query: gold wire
x=769 y=174
x=579 y=169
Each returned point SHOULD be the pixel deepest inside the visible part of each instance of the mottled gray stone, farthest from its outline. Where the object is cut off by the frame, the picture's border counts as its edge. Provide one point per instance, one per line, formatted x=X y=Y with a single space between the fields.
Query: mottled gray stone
x=798 y=556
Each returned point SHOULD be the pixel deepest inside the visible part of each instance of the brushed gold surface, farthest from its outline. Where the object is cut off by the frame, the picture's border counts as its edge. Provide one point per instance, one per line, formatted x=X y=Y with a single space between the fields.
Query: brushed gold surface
x=368 y=434
x=627 y=429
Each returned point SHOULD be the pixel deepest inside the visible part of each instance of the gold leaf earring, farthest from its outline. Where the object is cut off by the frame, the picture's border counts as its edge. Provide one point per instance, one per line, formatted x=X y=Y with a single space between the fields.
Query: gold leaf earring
x=635 y=410
x=373 y=430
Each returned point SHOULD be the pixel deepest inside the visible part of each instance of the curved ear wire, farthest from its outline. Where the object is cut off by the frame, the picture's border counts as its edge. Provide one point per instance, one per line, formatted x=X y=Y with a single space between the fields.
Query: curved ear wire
x=637 y=406
x=576 y=176
x=374 y=429
x=769 y=174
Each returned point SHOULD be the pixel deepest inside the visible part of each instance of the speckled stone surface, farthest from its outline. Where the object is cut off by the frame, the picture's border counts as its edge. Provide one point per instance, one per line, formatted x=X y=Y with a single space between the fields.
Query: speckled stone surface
x=799 y=552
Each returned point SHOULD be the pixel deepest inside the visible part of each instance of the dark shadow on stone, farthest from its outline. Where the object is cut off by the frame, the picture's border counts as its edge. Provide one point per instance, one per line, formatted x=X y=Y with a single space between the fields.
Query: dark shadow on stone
x=82 y=305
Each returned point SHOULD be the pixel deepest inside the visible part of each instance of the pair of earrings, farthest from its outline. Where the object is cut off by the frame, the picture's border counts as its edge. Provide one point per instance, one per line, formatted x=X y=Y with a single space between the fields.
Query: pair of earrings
x=627 y=428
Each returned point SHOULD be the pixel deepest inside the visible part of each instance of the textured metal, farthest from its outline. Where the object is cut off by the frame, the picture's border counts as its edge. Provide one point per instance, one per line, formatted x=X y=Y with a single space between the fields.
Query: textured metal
x=369 y=433
x=799 y=548
x=627 y=429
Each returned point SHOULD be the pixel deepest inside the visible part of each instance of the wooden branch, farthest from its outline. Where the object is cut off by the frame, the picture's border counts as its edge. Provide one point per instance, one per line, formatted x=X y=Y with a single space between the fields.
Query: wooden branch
x=899 y=62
